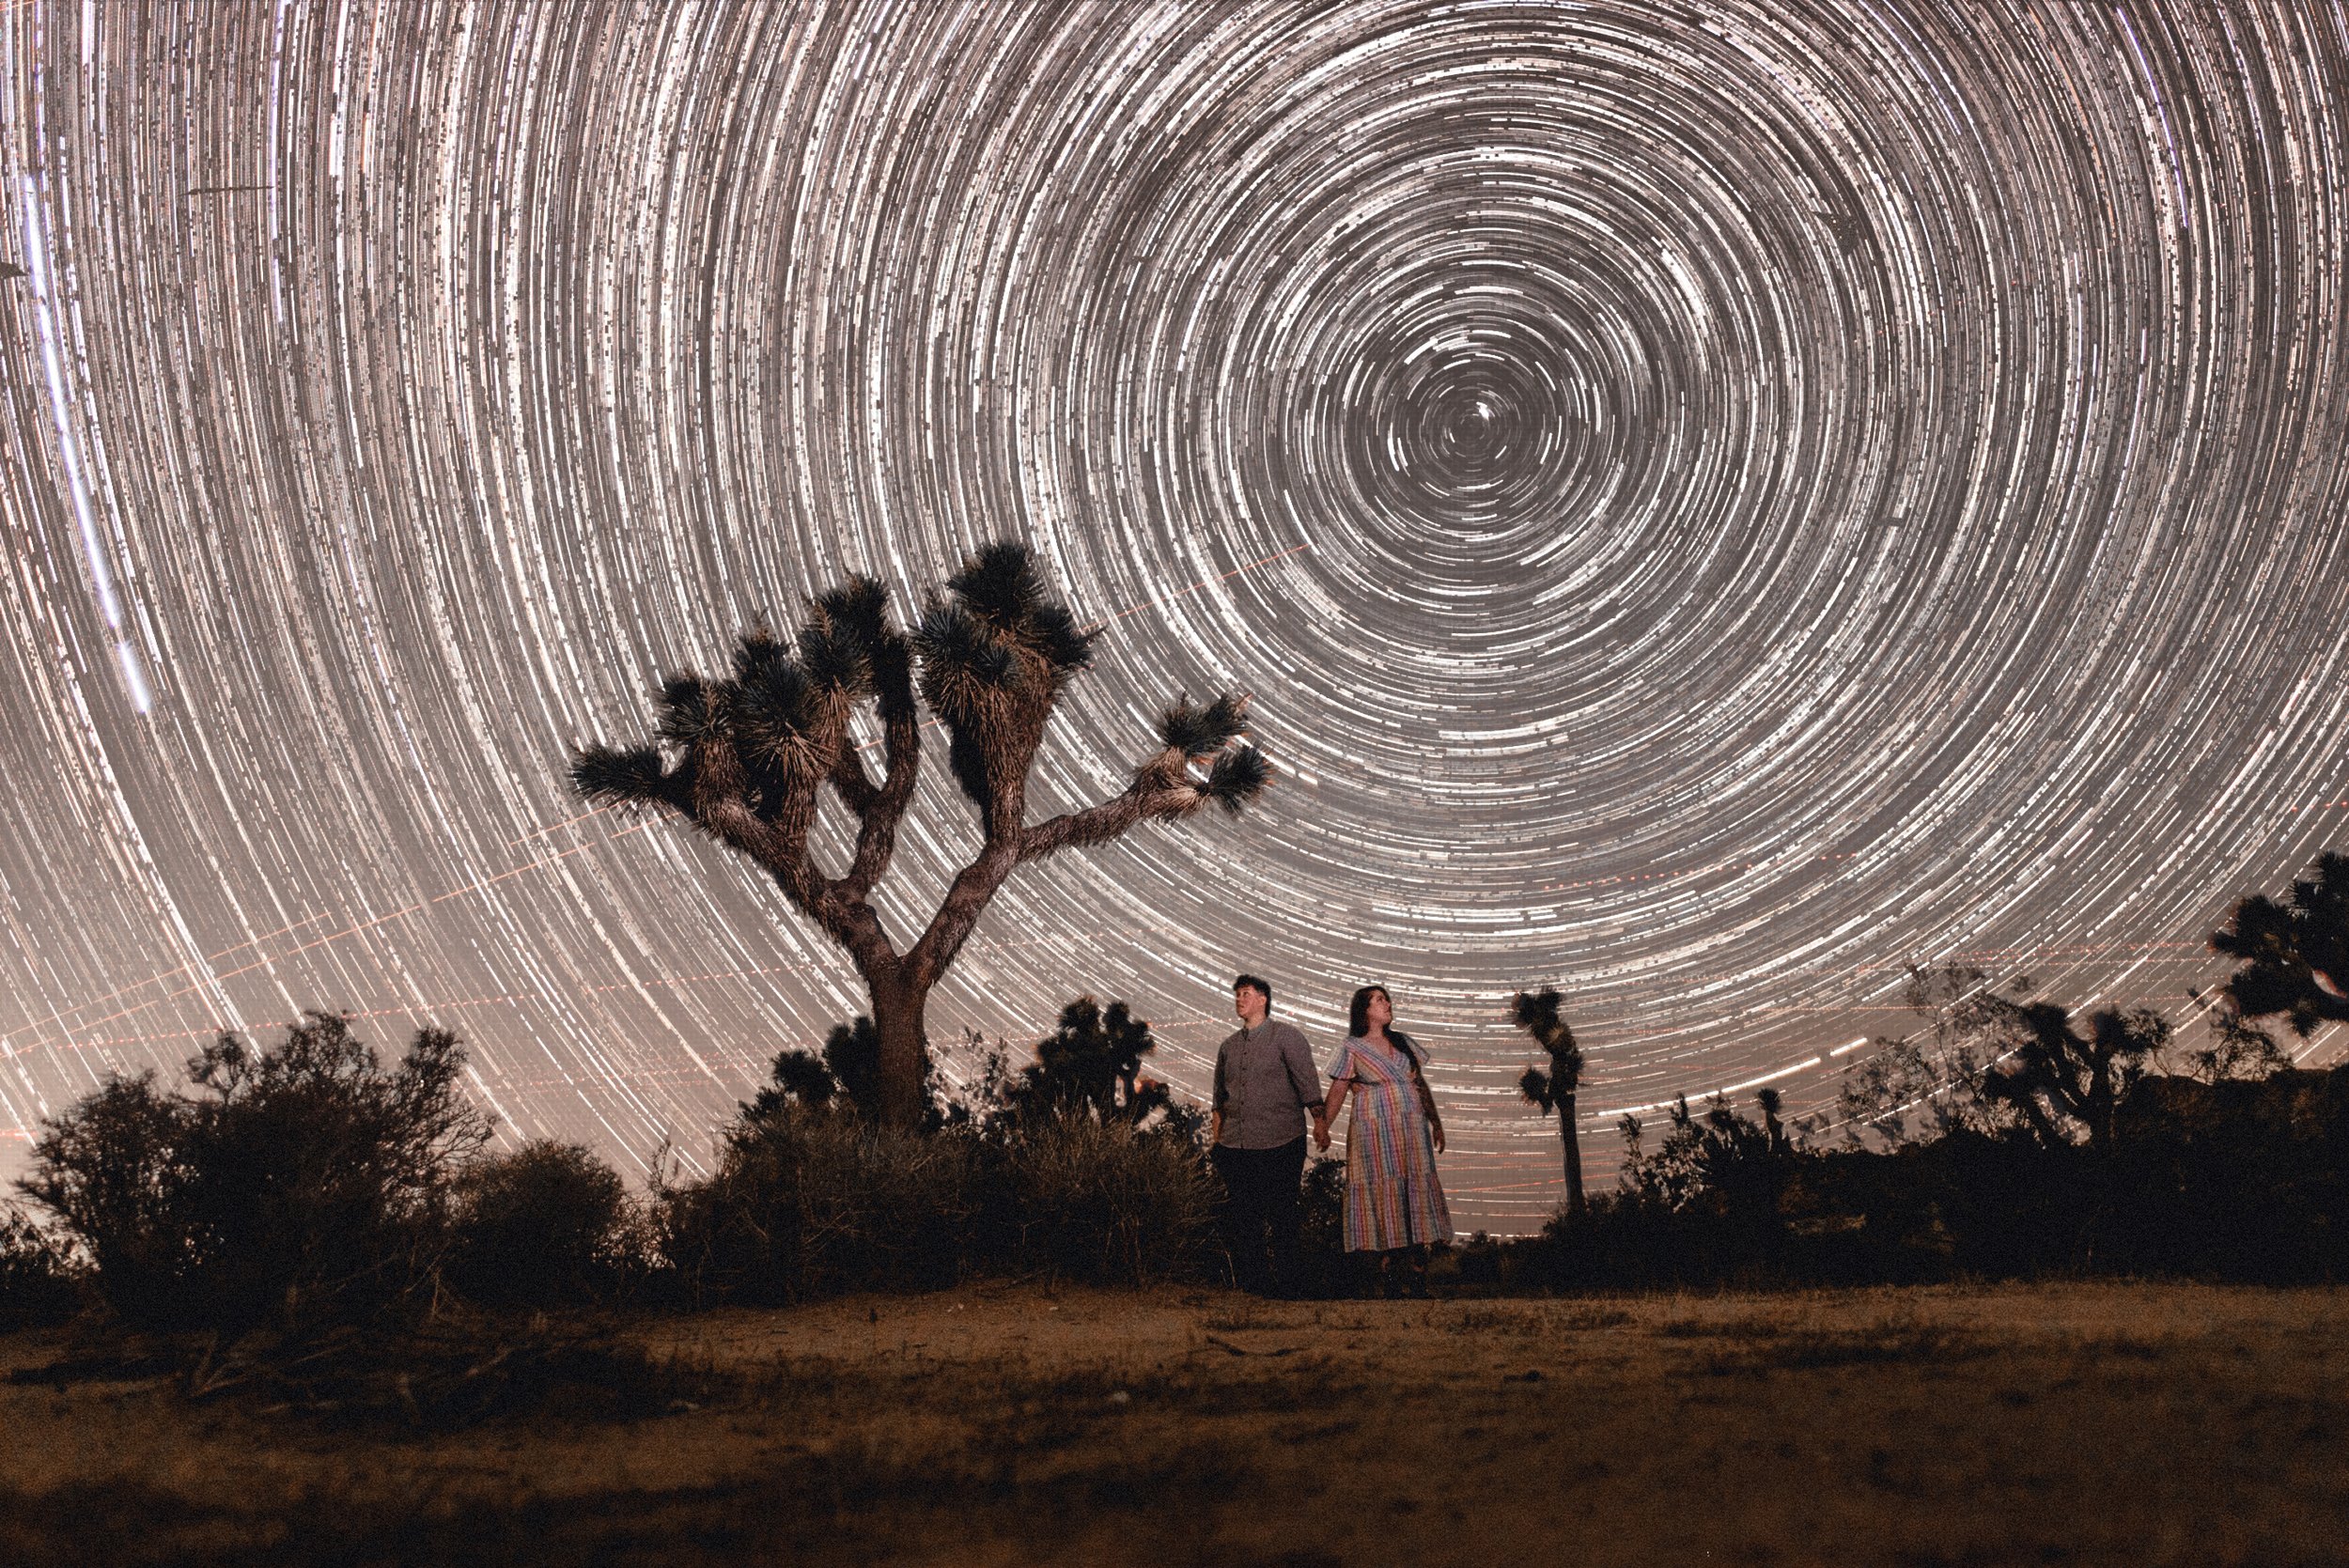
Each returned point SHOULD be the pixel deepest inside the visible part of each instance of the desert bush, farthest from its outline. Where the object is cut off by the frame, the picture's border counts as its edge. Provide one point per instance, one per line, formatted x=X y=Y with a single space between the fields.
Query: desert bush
x=808 y=1203
x=1321 y=1266
x=40 y=1284
x=300 y=1186
x=844 y=1076
x=1931 y=1082
x=2234 y=1179
x=1713 y=1158
x=1090 y=1063
x=1102 y=1201
x=548 y=1225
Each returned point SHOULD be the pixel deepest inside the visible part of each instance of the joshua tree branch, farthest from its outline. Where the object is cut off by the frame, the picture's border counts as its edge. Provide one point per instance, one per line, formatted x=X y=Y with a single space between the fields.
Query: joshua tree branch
x=967 y=898
x=1098 y=824
x=777 y=841
x=2028 y=1103
x=1161 y=791
x=855 y=785
x=857 y=928
x=884 y=808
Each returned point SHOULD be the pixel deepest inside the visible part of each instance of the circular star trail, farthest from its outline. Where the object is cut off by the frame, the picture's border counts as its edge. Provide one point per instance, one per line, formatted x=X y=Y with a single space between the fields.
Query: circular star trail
x=1714 y=502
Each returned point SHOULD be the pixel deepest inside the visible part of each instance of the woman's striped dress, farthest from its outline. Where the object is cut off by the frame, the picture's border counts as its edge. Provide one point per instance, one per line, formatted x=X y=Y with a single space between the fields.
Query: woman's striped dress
x=1393 y=1198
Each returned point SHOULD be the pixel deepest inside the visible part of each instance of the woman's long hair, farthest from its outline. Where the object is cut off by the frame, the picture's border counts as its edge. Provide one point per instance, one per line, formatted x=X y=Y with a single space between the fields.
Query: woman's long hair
x=1360 y=1024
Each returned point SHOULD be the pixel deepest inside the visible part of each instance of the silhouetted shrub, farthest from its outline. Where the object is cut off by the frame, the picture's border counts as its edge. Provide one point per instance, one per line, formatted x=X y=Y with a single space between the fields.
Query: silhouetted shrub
x=1321 y=1266
x=1076 y=1167
x=1090 y=1063
x=548 y=1225
x=2232 y=1179
x=301 y=1186
x=40 y=1284
x=1478 y=1264
x=844 y=1076
x=1099 y=1200
x=809 y=1202
x=2241 y=1179
x=1714 y=1159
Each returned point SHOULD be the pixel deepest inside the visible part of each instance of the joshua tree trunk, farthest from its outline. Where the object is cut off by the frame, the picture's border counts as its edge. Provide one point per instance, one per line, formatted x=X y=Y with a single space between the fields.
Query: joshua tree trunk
x=905 y=1050
x=1566 y=1133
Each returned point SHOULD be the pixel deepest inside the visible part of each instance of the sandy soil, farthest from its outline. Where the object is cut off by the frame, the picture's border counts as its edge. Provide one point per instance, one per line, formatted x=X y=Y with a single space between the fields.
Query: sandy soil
x=2078 y=1423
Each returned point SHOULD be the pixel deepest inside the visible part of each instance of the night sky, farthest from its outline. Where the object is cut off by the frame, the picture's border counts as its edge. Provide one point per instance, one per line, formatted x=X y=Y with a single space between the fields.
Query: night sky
x=1714 y=502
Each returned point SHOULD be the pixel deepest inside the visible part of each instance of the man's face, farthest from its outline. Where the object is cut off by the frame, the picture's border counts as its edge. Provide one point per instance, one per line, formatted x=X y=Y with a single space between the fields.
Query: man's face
x=1248 y=1003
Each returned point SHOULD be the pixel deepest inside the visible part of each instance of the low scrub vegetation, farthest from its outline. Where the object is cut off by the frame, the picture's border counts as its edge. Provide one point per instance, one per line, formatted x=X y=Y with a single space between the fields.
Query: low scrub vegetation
x=549 y=1224
x=40 y=1284
x=288 y=1188
x=310 y=1225
x=810 y=1201
x=301 y=1216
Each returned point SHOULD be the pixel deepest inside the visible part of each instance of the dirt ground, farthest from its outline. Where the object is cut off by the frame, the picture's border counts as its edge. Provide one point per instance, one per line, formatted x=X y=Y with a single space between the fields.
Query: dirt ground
x=2078 y=1423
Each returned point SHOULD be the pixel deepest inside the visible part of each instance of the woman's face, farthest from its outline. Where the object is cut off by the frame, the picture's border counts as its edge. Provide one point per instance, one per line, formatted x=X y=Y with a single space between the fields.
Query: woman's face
x=1378 y=1011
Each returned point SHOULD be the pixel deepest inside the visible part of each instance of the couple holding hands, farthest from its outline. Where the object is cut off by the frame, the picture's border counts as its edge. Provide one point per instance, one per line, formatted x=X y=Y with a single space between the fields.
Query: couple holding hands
x=1265 y=1086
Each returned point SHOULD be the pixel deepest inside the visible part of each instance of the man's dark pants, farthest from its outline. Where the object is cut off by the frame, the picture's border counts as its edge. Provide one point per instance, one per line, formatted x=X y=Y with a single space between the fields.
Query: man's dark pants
x=1262 y=1184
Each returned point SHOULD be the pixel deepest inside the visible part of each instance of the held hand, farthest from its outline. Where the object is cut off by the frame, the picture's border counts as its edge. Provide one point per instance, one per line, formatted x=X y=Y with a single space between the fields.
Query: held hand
x=1321 y=1134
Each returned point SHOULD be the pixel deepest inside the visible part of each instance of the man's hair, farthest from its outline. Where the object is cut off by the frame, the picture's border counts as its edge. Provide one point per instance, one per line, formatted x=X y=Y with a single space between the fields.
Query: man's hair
x=1252 y=982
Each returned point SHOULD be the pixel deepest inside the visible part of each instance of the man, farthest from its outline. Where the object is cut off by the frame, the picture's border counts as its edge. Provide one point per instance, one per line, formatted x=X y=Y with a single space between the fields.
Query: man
x=1264 y=1084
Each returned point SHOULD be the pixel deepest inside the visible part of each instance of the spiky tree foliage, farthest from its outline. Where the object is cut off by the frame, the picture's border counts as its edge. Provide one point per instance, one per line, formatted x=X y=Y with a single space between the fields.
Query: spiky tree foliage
x=751 y=759
x=852 y=1057
x=2294 y=954
x=2057 y=1078
x=798 y=1079
x=1093 y=1062
x=844 y=1076
x=1554 y=1089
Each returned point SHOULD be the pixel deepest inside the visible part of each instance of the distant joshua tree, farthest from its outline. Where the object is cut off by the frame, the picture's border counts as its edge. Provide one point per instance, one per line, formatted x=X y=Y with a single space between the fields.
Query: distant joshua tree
x=745 y=759
x=2294 y=954
x=1093 y=1063
x=2055 y=1076
x=1536 y=1013
x=1773 y=1127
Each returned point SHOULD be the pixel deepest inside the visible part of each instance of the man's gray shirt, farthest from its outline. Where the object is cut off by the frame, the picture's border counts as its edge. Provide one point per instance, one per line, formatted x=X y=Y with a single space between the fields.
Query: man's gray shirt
x=1263 y=1079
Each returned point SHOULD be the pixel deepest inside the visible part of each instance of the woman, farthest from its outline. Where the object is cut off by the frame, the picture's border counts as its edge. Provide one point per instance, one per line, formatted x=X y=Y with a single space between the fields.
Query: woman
x=1393 y=1203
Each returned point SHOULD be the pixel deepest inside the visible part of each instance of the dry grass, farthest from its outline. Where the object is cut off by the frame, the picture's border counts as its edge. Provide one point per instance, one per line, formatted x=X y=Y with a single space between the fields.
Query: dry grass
x=2078 y=1423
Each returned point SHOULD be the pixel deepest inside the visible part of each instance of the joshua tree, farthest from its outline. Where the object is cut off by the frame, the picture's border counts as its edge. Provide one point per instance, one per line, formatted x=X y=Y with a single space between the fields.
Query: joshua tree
x=1772 y=1102
x=746 y=758
x=2294 y=954
x=1093 y=1062
x=2052 y=1073
x=1536 y=1013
